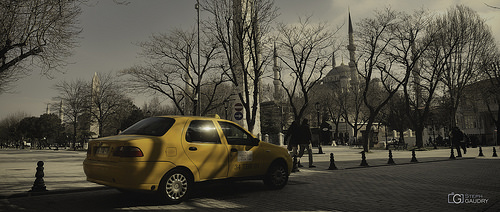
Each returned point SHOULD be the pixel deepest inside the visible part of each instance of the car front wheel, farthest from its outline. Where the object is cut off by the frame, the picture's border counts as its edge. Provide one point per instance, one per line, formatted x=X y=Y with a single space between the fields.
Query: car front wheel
x=277 y=176
x=175 y=186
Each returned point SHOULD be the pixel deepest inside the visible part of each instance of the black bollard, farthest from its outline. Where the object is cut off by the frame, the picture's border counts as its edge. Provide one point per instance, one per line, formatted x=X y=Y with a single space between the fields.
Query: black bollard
x=363 y=159
x=332 y=163
x=295 y=168
x=494 y=152
x=39 y=184
x=391 y=161
x=413 y=156
x=452 y=156
x=320 y=151
x=481 y=152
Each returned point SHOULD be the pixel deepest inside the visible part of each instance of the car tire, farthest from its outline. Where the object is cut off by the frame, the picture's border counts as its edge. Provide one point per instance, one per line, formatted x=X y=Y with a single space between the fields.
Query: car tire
x=175 y=186
x=277 y=176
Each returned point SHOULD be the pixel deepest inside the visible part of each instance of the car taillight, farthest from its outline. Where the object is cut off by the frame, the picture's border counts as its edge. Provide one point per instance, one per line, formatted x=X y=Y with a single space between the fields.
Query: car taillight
x=128 y=151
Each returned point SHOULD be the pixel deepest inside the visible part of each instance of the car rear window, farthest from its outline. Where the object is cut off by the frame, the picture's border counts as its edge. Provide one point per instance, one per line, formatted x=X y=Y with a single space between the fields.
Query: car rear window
x=155 y=126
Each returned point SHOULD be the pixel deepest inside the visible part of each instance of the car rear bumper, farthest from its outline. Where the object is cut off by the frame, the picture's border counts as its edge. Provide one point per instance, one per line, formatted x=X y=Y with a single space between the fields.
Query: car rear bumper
x=127 y=175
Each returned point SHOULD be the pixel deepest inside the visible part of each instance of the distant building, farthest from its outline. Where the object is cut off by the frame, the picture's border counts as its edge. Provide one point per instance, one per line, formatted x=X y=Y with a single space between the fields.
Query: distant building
x=242 y=13
x=275 y=113
x=473 y=116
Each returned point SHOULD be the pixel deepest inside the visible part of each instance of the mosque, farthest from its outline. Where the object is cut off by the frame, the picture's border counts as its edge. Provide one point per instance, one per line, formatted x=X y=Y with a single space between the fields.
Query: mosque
x=343 y=77
x=276 y=114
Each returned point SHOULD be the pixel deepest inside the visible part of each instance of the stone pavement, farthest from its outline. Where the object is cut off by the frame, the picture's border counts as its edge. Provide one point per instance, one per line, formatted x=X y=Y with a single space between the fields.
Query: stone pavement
x=64 y=170
x=423 y=186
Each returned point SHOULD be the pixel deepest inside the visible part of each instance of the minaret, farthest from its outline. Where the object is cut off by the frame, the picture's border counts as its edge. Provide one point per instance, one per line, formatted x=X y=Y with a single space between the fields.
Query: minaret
x=277 y=88
x=352 y=48
x=334 y=63
x=61 y=114
x=243 y=13
x=95 y=95
x=47 y=111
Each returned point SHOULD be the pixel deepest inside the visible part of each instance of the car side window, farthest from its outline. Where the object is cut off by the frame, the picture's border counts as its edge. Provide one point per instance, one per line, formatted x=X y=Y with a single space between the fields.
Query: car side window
x=235 y=135
x=202 y=131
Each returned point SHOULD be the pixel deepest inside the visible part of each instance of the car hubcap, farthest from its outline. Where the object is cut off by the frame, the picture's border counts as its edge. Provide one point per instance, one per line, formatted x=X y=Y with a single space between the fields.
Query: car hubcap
x=176 y=186
x=279 y=176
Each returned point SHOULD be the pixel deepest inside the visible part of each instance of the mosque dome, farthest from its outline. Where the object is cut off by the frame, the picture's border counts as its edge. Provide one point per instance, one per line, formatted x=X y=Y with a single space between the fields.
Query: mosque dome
x=337 y=73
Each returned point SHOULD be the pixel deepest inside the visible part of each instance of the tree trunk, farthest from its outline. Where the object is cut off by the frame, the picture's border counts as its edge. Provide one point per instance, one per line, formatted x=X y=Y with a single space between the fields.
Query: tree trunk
x=419 y=136
x=74 y=136
x=497 y=123
x=369 y=134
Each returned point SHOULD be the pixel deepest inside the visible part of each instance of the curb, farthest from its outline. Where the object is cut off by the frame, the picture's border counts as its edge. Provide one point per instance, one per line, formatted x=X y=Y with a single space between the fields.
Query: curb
x=51 y=192
x=408 y=163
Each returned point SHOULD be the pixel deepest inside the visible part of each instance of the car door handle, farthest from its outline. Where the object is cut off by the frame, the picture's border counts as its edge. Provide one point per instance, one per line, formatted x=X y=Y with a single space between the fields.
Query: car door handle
x=234 y=150
x=193 y=148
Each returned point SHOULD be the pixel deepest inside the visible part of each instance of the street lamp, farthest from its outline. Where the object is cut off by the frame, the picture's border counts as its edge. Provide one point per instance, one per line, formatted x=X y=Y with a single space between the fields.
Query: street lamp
x=198 y=90
x=317 y=111
x=317 y=106
x=226 y=105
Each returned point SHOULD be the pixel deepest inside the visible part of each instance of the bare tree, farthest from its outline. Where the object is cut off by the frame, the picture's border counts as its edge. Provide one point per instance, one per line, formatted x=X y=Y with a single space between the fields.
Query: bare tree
x=494 y=7
x=468 y=37
x=380 y=79
x=240 y=26
x=9 y=135
x=35 y=34
x=353 y=109
x=74 y=96
x=413 y=38
x=106 y=100
x=490 y=67
x=171 y=70
x=305 y=52
x=395 y=115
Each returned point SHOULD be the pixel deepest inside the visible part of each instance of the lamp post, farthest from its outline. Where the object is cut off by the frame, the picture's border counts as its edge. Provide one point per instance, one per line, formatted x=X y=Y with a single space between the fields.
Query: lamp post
x=317 y=106
x=386 y=142
x=317 y=112
x=226 y=105
x=198 y=90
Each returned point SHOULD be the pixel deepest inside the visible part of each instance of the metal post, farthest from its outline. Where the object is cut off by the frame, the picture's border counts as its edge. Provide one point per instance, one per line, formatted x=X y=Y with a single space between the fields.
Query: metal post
x=319 y=131
x=226 y=105
x=198 y=90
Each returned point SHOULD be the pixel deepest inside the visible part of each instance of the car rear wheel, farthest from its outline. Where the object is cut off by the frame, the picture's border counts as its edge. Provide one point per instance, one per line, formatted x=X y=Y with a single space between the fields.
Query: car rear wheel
x=277 y=176
x=176 y=186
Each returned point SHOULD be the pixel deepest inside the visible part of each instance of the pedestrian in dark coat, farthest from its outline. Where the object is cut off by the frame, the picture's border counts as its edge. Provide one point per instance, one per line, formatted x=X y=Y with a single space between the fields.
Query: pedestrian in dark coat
x=293 y=134
x=304 y=140
x=325 y=135
x=457 y=138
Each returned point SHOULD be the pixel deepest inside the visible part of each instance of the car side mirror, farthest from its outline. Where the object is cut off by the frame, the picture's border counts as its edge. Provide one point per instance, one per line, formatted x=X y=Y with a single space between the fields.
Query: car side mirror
x=255 y=142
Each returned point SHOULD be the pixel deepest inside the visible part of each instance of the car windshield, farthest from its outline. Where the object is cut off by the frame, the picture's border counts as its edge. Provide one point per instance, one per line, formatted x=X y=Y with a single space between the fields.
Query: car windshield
x=155 y=126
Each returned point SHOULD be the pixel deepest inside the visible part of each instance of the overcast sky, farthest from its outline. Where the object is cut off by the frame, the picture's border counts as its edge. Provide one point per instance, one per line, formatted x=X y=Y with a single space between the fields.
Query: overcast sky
x=110 y=31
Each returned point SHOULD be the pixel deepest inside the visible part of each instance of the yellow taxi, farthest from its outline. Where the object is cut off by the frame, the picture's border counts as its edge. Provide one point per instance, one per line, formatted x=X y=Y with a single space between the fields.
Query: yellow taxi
x=168 y=154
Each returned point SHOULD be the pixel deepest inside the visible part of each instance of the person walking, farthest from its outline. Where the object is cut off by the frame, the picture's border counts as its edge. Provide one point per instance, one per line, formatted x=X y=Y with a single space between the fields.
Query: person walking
x=293 y=134
x=304 y=141
x=325 y=135
x=457 y=138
